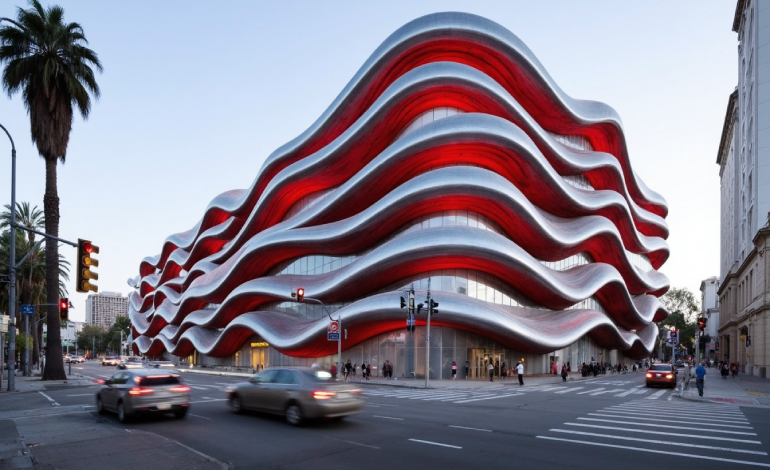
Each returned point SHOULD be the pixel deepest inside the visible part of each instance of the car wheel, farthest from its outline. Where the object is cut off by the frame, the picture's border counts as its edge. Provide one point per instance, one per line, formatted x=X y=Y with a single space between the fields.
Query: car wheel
x=294 y=414
x=236 y=404
x=99 y=405
x=123 y=417
x=180 y=414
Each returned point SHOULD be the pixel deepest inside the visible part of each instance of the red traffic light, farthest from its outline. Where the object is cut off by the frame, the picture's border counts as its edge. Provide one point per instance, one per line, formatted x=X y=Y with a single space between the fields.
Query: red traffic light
x=300 y=294
x=63 y=304
x=64 y=309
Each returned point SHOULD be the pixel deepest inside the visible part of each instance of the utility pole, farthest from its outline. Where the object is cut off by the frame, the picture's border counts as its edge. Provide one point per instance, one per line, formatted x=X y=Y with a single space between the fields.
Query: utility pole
x=427 y=340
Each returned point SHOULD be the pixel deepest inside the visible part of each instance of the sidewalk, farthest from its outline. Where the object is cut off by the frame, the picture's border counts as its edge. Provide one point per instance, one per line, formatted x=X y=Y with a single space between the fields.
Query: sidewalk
x=77 y=441
x=744 y=390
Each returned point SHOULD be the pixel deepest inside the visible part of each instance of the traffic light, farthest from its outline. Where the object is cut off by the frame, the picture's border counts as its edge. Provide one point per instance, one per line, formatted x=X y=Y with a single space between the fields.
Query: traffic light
x=300 y=294
x=433 y=305
x=701 y=323
x=403 y=302
x=85 y=263
x=64 y=309
x=419 y=307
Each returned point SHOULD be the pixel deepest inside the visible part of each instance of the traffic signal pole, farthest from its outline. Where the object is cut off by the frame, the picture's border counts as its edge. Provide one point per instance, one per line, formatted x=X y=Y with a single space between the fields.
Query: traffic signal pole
x=427 y=340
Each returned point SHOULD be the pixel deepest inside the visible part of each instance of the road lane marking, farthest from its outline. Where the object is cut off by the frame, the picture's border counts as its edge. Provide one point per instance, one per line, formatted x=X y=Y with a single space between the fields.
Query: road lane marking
x=210 y=400
x=653 y=441
x=664 y=418
x=673 y=427
x=383 y=404
x=663 y=433
x=591 y=391
x=547 y=389
x=436 y=443
x=629 y=392
x=441 y=397
x=199 y=416
x=471 y=429
x=489 y=398
x=657 y=412
x=718 y=422
x=656 y=395
x=475 y=396
x=570 y=390
x=53 y=402
x=82 y=395
x=653 y=451
x=198 y=387
x=388 y=417
x=607 y=391
x=356 y=443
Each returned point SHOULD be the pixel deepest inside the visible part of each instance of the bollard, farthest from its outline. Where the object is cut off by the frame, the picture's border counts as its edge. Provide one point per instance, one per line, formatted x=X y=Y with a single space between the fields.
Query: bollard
x=70 y=372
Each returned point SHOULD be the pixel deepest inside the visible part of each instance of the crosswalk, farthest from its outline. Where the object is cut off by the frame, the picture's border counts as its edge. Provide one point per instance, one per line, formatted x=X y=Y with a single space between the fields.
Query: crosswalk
x=496 y=392
x=695 y=431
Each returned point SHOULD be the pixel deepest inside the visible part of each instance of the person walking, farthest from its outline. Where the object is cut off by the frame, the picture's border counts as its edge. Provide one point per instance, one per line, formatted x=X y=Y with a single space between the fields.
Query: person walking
x=564 y=373
x=467 y=366
x=723 y=369
x=700 y=375
x=368 y=370
x=454 y=370
x=520 y=372
x=491 y=368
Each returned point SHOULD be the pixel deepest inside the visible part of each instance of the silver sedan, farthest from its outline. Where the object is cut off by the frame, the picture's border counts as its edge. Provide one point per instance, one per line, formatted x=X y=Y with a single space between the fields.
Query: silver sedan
x=298 y=393
x=132 y=392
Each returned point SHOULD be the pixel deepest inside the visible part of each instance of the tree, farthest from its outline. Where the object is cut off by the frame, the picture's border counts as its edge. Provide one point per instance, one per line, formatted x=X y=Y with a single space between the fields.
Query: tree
x=89 y=337
x=683 y=308
x=31 y=286
x=47 y=61
x=121 y=324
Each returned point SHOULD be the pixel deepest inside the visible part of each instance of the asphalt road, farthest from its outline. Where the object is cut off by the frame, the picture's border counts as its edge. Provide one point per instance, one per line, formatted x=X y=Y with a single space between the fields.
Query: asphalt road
x=602 y=424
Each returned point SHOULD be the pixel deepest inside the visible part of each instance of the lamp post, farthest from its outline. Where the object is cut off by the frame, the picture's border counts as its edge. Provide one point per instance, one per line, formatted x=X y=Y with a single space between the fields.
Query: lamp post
x=339 y=331
x=12 y=270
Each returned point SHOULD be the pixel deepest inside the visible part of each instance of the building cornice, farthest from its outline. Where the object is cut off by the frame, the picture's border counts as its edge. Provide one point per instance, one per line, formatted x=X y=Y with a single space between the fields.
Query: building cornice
x=739 y=6
x=727 y=128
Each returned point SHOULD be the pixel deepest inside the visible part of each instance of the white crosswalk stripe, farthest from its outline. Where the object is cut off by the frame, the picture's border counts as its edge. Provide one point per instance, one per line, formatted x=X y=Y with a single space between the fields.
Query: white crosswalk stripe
x=693 y=431
x=459 y=395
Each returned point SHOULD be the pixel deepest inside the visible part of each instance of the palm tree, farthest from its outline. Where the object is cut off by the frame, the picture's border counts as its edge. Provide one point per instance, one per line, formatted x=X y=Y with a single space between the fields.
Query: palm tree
x=47 y=61
x=31 y=275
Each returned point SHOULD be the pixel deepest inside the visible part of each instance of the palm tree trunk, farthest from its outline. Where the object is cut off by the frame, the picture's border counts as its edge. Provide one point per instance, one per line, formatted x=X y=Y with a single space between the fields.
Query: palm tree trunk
x=54 y=364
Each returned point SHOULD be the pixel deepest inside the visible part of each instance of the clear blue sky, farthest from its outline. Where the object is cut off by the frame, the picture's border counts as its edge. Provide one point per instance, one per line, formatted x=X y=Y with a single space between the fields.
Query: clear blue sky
x=196 y=94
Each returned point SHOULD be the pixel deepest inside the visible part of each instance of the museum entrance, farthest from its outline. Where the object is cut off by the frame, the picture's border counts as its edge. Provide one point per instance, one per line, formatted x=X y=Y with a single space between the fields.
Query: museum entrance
x=480 y=359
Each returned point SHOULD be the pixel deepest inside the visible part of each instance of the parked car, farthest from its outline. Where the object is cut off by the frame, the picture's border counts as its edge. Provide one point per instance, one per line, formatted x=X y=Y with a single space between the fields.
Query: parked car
x=110 y=360
x=661 y=374
x=131 y=362
x=132 y=392
x=298 y=393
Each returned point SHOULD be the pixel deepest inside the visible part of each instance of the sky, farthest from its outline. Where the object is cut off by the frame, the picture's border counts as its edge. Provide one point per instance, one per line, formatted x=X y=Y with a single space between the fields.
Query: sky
x=195 y=96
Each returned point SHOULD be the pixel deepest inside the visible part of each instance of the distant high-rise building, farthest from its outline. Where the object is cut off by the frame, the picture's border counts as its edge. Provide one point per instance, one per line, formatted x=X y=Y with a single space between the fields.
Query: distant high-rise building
x=102 y=309
x=744 y=171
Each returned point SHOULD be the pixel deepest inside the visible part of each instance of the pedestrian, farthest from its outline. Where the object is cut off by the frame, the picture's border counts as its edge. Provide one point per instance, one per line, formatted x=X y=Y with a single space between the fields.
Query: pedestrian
x=734 y=368
x=503 y=371
x=368 y=370
x=467 y=366
x=564 y=373
x=355 y=366
x=454 y=370
x=491 y=368
x=700 y=375
x=314 y=366
x=520 y=372
x=334 y=371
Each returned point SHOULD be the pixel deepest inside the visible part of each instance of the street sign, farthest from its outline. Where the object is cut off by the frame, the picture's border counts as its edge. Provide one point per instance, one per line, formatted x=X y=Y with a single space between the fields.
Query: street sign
x=27 y=309
x=333 y=331
x=5 y=320
x=674 y=335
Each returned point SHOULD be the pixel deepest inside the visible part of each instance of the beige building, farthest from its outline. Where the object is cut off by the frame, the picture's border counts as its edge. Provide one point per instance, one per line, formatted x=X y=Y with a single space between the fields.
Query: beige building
x=744 y=170
x=102 y=309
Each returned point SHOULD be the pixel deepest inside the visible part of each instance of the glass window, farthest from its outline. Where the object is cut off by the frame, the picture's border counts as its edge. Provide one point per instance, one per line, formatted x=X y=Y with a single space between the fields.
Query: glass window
x=450 y=217
x=462 y=218
x=285 y=377
x=435 y=222
x=473 y=219
x=267 y=376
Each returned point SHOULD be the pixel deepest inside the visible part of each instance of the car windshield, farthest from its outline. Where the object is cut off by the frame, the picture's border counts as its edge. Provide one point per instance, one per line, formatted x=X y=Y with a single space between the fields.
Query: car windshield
x=318 y=375
x=151 y=380
x=660 y=367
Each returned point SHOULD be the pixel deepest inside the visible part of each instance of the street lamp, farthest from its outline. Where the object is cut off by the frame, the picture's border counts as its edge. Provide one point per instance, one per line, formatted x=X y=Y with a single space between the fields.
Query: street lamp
x=300 y=295
x=12 y=268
